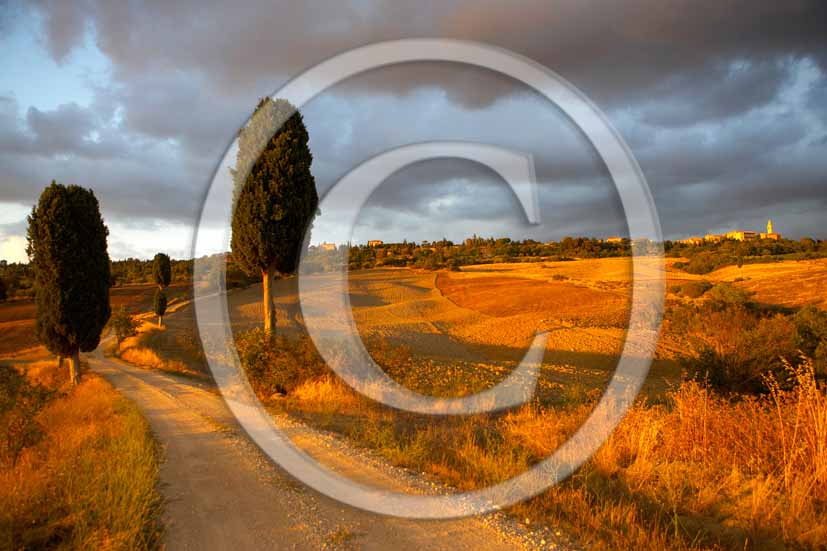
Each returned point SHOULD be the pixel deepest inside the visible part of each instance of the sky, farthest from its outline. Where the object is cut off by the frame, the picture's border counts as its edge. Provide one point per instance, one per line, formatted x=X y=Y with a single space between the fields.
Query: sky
x=723 y=104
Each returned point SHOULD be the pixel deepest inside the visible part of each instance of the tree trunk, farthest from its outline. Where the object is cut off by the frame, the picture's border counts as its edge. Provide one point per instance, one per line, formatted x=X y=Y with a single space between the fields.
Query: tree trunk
x=74 y=368
x=160 y=321
x=59 y=363
x=267 y=299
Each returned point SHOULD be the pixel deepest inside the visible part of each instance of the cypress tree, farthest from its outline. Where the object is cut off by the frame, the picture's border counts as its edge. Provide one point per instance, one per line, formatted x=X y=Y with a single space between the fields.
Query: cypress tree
x=161 y=270
x=68 y=254
x=160 y=306
x=275 y=196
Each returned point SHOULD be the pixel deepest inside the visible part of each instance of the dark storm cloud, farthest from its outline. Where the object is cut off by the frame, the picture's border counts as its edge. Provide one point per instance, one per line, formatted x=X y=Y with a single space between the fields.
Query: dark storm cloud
x=705 y=96
x=617 y=46
x=68 y=130
x=720 y=91
x=131 y=176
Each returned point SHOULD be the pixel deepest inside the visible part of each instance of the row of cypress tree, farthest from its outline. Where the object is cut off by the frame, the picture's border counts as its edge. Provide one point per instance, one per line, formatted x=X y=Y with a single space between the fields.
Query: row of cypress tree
x=275 y=201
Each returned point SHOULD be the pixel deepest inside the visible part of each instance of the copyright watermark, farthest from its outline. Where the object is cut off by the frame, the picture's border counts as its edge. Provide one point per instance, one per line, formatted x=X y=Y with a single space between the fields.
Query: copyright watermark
x=326 y=307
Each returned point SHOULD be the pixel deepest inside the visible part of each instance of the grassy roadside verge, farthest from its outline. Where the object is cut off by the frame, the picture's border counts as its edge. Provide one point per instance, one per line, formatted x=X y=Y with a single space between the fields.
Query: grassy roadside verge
x=87 y=477
x=160 y=348
x=696 y=470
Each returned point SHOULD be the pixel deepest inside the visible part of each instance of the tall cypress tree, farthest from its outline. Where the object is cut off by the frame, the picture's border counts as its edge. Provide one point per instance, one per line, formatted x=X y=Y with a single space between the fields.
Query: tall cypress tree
x=68 y=254
x=161 y=270
x=275 y=196
x=159 y=306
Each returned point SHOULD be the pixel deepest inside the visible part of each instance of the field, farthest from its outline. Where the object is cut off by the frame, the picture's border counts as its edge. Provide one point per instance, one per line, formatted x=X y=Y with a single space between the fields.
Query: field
x=686 y=469
x=87 y=476
x=17 y=332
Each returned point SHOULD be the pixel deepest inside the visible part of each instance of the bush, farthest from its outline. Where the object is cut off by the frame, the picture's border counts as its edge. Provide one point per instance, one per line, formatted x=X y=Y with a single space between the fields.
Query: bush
x=724 y=295
x=734 y=344
x=741 y=361
x=811 y=337
x=277 y=365
x=123 y=324
x=559 y=277
x=20 y=402
x=695 y=289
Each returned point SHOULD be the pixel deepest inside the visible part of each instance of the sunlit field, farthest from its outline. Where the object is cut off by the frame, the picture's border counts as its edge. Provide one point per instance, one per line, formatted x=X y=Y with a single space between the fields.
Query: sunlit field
x=17 y=317
x=79 y=466
x=690 y=467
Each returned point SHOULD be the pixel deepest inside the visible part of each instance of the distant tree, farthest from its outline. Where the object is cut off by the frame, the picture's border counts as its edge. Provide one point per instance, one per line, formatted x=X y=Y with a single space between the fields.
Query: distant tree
x=275 y=196
x=3 y=295
x=160 y=306
x=161 y=270
x=123 y=324
x=67 y=250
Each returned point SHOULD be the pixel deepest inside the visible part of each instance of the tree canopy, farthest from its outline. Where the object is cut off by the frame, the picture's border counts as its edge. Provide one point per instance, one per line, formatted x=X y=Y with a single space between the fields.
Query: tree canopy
x=68 y=252
x=275 y=196
x=161 y=270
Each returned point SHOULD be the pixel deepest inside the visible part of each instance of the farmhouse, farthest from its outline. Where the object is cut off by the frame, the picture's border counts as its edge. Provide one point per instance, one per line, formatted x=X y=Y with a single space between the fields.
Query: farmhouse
x=375 y=243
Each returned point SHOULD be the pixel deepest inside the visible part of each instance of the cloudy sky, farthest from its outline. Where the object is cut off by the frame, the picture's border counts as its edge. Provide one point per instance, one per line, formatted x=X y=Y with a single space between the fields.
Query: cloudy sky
x=724 y=105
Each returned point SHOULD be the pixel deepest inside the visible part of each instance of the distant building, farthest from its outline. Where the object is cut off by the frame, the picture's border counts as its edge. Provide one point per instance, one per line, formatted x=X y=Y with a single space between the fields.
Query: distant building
x=375 y=243
x=770 y=234
x=737 y=235
x=614 y=239
x=742 y=235
x=328 y=246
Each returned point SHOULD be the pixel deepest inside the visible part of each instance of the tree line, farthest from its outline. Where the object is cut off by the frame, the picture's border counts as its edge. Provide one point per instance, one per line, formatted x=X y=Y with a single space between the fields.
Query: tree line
x=709 y=256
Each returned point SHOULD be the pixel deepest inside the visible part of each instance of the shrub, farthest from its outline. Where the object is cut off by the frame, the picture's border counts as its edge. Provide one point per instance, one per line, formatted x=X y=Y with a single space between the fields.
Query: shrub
x=123 y=324
x=559 y=277
x=20 y=402
x=700 y=264
x=695 y=289
x=811 y=337
x=732 y=343
x=724 y=295
x=277 y=365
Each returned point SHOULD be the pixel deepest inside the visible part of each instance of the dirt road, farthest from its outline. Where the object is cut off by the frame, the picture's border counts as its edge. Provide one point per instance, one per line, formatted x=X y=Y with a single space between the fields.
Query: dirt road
x=223 y=493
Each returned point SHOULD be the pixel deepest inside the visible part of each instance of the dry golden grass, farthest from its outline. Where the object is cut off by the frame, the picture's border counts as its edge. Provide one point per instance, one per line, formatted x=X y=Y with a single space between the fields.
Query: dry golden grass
x=696 y=472
x=162 y=348
x=90 y=482
x=560 y=299
x=793 y=283
x=688 y=470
